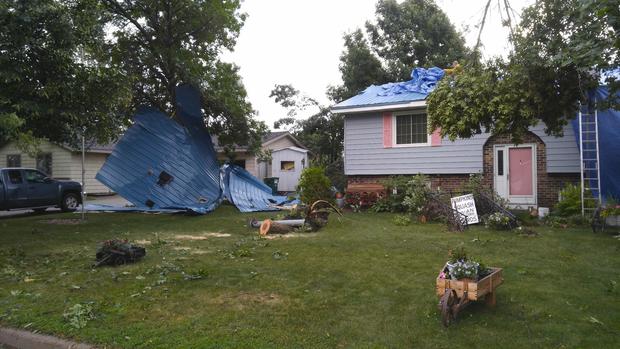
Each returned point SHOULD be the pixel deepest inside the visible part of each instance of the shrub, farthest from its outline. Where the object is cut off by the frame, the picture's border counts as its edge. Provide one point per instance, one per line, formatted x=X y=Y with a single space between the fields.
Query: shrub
x=570 y=201
x=396 y=188
x=417 y=196
x=362 y=199
x=401 y=220
x=314 y=185
x=497 y=221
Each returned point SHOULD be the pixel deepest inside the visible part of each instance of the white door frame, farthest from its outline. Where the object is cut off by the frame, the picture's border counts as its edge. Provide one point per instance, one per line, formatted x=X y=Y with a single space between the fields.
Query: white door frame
x=502 y=185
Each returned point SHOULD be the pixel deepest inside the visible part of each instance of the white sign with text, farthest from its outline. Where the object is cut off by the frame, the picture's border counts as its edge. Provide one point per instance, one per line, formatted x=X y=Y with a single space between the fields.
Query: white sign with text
x=466 y=205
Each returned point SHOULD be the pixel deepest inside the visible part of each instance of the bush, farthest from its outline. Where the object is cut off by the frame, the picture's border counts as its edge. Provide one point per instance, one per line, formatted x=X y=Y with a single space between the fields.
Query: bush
x=570 y=201
x=314 y=185
x=417 y=196
x=497 y=221
x=401 y=220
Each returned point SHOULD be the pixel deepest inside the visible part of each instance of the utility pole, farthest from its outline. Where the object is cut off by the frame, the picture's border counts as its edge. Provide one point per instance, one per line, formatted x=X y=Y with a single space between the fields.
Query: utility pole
x=83 y=173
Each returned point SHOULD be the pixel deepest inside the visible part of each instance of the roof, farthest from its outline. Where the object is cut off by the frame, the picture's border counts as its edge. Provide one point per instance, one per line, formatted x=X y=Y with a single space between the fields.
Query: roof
x=394 y=95
x=268 y=138
x=293 y=149
x=92 y=148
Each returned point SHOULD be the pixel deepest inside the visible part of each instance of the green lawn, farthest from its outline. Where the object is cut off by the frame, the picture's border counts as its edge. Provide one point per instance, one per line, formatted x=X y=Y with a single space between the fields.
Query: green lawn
x=362 y=282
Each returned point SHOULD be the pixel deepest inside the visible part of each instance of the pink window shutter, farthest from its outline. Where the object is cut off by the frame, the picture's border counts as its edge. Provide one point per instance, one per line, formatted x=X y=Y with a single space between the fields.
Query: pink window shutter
x=436 y=138
x=387 y=130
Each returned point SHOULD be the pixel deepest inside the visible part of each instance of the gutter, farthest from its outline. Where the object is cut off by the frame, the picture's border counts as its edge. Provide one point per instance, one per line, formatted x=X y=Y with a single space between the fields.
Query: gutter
x=369 y=108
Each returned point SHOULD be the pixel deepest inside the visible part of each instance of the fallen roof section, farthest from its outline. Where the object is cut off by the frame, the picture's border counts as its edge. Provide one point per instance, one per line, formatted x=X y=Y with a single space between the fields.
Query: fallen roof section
x=162 y=164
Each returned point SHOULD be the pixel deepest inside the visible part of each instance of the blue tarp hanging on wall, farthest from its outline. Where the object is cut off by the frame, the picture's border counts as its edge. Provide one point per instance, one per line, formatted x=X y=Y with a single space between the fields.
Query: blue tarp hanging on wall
x=608 y=147
x=160 y=164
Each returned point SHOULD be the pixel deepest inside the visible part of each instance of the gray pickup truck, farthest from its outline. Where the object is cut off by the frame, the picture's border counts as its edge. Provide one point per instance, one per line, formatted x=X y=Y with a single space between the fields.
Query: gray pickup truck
x=27 y=188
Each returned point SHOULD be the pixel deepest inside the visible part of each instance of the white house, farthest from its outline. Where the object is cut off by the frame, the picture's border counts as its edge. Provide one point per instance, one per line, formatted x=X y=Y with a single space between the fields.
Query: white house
x=61 y=162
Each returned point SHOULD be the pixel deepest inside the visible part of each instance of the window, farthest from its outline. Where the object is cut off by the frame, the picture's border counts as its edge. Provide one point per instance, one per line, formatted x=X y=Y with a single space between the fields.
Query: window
x=14 y=160
x=287 y=165
x=500 y=162
x=15 y=176
x=44 y=163
x=411 y=129
x=33 y=176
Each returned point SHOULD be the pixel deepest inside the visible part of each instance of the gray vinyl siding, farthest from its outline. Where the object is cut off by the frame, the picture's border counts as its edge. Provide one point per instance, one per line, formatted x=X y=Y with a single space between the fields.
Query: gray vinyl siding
x=365 y=155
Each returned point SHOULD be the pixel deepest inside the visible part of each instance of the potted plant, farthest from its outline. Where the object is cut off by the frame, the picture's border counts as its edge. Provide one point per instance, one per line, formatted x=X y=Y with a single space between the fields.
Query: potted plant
x=611 y=213
x=339 y=200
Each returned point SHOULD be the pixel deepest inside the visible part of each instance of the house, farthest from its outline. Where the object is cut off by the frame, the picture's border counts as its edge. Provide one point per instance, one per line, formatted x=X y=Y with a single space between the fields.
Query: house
x=61 y=162
x=288 y=158
x=385 y=133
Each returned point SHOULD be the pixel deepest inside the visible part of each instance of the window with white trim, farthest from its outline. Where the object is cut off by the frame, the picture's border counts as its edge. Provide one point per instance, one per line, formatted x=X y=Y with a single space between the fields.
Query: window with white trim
x=411 y=129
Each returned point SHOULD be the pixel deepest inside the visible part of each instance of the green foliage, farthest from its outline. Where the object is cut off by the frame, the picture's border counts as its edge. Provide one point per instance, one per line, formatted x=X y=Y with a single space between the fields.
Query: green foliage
x=457 y=254
x=611 y=208
x=401 y=220
x=417 y=195
x=55 y=77
x=78 y=315
x=404 y=35
x=322 y=132
x=497 y=221
x=314 y=185
x=180 y=42
x=570 y=201
x=560 y=48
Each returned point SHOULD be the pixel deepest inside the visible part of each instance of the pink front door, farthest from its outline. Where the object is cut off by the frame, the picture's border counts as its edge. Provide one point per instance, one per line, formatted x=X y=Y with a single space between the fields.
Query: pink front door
x=520 y=169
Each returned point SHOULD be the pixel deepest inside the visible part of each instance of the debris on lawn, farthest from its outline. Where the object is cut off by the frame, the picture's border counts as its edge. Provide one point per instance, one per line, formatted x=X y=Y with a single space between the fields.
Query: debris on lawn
x=162 y=164
x=316 y=217
x=79 y=314
x=203 y=236
x=117 y=252
x=62 y=221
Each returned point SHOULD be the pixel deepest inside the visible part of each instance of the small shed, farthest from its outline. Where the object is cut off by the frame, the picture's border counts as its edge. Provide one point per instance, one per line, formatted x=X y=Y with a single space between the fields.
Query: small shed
x=287 y=164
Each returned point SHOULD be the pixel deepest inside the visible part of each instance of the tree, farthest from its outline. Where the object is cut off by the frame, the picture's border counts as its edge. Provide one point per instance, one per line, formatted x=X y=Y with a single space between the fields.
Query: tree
x=322 y=132
x=560 y=49
x=161 y=44
x=413 y=33
x=53 y=75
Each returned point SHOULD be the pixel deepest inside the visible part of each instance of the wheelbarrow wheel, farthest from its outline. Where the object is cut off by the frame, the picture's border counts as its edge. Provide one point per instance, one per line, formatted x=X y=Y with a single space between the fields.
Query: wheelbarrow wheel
x=447 y=302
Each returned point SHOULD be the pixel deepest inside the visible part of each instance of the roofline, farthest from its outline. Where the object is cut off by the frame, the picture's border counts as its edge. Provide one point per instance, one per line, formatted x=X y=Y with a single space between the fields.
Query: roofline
x=367 y=108
x=287 y=134
x=297 y=149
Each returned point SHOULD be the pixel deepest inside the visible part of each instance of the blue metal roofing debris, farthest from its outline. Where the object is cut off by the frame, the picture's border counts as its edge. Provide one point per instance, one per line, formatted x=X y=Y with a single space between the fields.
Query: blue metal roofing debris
x=160 y=164
x=247 y=192
x=423 y=82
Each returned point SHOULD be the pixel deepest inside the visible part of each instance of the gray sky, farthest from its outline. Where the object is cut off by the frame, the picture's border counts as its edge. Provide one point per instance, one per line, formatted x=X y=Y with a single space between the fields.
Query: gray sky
x=299 y=42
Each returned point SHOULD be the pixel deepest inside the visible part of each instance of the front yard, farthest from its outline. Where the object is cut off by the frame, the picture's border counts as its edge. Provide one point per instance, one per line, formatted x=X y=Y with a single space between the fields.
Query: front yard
x=209 y=281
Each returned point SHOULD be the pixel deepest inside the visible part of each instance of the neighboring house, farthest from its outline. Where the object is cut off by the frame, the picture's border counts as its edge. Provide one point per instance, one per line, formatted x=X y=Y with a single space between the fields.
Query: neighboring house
x=386 y=134
x=61 y=162
x=288 y=158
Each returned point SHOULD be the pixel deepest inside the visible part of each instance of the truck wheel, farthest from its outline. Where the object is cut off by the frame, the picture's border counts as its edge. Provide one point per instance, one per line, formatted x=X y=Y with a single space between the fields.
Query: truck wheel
x=70 y=202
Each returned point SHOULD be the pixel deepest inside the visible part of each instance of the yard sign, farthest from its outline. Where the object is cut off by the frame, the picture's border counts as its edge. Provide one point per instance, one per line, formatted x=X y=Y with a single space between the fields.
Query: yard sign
x=466 y=205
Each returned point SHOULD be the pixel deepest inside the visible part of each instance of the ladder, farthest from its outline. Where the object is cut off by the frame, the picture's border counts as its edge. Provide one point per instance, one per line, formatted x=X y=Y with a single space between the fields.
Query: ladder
x=589 y=156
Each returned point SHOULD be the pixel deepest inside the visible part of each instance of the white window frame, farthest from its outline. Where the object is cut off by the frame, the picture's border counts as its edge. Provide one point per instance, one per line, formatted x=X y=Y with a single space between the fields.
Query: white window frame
x=409 y=145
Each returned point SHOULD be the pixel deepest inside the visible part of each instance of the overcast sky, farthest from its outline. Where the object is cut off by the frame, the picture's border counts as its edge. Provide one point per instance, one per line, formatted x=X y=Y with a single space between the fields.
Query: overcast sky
x=299 y=42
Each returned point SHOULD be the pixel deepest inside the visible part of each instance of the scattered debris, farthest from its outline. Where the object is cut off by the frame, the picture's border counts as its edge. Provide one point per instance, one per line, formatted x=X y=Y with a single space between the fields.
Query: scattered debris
x=62 y=221
x=117 y=252
x=316 y=217
x=203 y=236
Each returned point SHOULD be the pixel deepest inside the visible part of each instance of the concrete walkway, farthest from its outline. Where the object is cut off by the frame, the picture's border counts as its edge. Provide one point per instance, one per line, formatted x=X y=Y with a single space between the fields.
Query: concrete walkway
x=19 y=339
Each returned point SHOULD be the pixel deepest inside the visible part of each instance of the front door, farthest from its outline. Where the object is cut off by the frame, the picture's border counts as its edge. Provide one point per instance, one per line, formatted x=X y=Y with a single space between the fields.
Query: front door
x=515 y=173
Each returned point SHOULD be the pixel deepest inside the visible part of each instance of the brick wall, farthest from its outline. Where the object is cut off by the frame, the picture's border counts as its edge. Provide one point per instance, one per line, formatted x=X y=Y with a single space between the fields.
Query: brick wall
x=447 y=182
x=548 y=184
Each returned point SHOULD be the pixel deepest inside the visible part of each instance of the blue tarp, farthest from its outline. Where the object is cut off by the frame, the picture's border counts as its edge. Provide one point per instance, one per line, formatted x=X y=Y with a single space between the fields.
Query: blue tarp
x=161 y=164
x=422 y=82
x=608 y=147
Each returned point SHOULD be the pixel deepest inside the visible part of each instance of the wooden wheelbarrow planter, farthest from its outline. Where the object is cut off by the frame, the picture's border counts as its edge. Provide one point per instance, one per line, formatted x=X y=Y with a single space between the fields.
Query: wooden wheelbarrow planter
x=454 y=295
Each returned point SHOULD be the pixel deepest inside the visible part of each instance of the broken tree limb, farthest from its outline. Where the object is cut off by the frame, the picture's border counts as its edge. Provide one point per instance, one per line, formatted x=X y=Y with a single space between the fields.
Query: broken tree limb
x=274 y=227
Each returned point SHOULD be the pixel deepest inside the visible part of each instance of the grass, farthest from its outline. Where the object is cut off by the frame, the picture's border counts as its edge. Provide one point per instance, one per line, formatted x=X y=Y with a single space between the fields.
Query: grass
x=362 y=282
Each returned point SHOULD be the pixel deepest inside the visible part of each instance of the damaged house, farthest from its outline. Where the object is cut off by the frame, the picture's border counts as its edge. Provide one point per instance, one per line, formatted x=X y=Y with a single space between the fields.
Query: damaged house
x=385 y=134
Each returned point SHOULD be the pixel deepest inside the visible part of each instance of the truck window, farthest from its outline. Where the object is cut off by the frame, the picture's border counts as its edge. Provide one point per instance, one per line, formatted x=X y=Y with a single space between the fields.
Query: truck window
x=33 y=176
x=15 y=176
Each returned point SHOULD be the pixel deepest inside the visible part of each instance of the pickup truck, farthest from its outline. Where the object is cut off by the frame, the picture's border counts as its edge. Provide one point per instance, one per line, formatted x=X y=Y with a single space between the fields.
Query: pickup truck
x=27 y=188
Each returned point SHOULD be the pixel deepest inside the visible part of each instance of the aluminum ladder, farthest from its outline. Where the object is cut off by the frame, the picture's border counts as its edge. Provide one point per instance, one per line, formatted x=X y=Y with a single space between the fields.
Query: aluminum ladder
x=589 y=156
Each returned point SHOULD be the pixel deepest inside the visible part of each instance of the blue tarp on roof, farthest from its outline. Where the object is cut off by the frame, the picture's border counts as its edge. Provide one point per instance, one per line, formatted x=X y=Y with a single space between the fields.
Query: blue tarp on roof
x=160 y=164
x=423 y=82
x=608 y=148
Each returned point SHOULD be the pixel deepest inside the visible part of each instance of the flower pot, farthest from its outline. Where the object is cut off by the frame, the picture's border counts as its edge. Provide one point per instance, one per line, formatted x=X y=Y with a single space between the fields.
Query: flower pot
x=422 y=218
x=340 y=202
x=613 y=221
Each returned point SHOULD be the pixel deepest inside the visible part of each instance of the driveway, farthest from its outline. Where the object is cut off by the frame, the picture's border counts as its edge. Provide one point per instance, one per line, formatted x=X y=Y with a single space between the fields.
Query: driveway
x=114 y=200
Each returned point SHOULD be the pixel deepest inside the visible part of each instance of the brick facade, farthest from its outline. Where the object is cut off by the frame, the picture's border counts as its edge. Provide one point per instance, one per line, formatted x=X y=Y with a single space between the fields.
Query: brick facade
x=548 y=184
